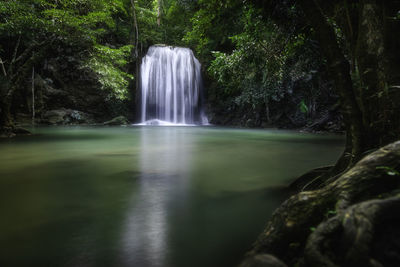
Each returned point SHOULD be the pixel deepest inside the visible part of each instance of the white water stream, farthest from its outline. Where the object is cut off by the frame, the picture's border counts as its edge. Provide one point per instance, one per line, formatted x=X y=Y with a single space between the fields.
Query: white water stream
x=171 y=87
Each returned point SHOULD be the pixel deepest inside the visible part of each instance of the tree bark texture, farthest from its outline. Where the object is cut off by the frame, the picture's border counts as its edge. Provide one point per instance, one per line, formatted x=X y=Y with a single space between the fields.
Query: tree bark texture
x=340 y=224
x=339 y=70
x=371 y=106
x=20 y=68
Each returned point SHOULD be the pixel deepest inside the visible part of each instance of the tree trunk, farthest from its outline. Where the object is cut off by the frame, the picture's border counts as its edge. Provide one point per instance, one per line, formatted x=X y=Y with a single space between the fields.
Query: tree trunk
x=5 y=115
x=339 y=70
x=379 y=101
x=348 y=219
x=159 y=3
x=339 y=223
x=3 y=68
x=33 y=95
x=370 y=110
x=17 y=75
x=137 y=93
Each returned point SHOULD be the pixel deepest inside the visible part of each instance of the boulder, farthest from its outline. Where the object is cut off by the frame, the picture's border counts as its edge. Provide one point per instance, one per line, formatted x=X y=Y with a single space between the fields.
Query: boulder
x=55 y=117
x=120 y=120
x=66 y=116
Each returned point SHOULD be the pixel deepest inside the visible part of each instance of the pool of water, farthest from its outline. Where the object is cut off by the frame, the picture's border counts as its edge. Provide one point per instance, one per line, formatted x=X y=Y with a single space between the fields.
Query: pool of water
x=146 y=196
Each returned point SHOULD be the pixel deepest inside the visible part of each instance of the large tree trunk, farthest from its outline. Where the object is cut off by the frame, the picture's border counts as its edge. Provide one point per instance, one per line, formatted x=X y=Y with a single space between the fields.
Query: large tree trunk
x=7 y=89
x=339 y=70
x=370 y=108
x=348 y=220
x=340 y=224
x=378 y=94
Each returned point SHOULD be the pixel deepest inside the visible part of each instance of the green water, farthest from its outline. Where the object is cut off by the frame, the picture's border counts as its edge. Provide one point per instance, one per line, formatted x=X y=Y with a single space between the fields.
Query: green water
x=146 y=196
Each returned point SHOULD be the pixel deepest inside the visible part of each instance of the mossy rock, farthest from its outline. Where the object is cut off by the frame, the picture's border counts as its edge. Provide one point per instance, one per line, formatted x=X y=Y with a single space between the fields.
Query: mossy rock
x=120 y=120
x=342 y=223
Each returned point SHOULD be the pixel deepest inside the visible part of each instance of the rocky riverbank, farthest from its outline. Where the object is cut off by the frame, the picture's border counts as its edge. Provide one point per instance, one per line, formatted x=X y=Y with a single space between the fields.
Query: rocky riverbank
x=347 y=220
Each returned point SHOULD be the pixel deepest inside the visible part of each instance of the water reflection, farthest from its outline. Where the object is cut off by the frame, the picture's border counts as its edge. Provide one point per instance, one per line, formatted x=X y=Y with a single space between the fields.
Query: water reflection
x=155 y=196
x=164 y=163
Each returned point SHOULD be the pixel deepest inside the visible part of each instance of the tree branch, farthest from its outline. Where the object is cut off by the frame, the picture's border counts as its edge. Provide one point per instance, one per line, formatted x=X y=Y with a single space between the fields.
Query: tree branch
x=2 y=67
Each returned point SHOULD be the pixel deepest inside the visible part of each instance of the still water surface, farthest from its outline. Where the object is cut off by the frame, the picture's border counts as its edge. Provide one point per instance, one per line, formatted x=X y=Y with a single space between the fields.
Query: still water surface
x=146 y=196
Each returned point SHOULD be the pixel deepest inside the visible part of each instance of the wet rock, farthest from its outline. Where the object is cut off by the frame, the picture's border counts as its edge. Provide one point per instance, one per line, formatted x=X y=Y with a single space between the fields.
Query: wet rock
x=120 y=120
x=66 y=116
x=23 y=119
x=263 y=260
x=55 y=116
x=52 y=92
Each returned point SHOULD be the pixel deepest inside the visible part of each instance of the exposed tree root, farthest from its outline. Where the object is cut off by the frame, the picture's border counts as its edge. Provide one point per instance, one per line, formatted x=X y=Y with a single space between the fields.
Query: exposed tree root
x=352 y=233
x=337 y=224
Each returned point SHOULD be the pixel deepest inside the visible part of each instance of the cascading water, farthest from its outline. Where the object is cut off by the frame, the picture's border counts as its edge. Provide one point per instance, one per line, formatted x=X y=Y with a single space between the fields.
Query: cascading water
x=171 y=87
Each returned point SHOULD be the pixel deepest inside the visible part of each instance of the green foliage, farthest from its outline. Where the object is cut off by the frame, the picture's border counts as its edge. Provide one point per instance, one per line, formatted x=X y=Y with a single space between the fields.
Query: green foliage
x=18 y=18
x=330 y=213
x=256 y=72
x=212 y=24
x=108 y=63
x=66 y=18
x=84 y=26
x=251 y=61
x=303 y=107
x=388 y=170
x=176 y=22
x=255 y=62
x=149 y=33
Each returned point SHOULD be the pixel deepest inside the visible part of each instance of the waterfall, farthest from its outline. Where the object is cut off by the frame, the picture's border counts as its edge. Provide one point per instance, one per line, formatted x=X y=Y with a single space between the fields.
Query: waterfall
x=171 y=87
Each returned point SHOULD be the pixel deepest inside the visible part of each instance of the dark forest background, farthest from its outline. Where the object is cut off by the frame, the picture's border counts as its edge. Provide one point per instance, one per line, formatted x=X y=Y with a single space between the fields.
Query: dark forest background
x=262 y=65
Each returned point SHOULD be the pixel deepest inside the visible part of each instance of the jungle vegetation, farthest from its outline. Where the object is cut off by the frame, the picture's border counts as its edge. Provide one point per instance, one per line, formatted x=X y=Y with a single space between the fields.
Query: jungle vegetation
x=327 y=65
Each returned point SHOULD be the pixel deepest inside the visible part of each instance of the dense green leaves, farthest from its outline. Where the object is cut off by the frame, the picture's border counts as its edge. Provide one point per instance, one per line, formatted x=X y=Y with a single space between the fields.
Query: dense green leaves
x=107 y=63
x=265 y=62
x=251 y=61
x=212 y=25
x=84 y=26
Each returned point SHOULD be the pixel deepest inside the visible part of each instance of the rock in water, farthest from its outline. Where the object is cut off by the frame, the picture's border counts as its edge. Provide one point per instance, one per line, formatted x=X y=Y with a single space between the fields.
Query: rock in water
x=66 y=116
x=55 y=116
x=120 y=120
